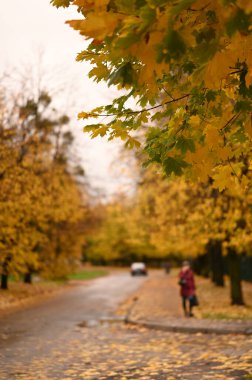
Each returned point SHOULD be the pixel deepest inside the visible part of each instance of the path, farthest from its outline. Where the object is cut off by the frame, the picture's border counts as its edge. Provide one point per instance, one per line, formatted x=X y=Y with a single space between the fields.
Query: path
x=157 y=304
x=158 y=298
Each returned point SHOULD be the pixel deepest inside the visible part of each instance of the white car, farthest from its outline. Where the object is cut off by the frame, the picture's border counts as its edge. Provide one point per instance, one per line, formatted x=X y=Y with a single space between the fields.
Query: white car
x=138 y=269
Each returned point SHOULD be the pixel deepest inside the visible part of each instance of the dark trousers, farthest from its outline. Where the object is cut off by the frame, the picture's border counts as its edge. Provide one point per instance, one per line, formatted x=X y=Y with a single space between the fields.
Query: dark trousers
x=187 y=306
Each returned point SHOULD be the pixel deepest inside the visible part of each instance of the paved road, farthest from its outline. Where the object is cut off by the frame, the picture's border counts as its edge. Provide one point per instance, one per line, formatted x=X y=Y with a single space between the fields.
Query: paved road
x=45 y=342
x=34 y=331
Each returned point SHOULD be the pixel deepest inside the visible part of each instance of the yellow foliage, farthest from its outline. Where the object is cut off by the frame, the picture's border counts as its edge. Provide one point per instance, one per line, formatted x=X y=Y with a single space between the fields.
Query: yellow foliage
x=212 y=136
x=188 y=67
x=97 y=25
x=40 y=202
x=248 y=127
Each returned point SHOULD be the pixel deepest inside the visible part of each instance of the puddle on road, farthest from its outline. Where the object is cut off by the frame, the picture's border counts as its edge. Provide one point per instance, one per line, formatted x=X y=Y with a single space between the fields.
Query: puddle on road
x=104 y=321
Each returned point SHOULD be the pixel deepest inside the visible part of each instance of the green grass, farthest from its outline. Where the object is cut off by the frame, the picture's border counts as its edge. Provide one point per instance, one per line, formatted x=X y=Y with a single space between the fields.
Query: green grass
x=14 y=278
x=84 y=274
x=87 y=274
x=223 y=316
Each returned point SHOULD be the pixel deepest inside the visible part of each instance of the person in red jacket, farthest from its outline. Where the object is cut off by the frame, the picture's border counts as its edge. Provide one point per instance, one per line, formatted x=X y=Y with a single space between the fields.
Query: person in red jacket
x=187 y=288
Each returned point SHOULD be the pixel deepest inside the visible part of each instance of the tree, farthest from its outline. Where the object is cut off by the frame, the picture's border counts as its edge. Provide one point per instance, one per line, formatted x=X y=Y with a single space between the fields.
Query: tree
x=186 y=65
x=39 y=193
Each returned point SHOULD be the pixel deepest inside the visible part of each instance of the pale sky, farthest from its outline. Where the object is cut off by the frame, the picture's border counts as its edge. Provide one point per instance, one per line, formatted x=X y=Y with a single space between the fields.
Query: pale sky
x=27 y=26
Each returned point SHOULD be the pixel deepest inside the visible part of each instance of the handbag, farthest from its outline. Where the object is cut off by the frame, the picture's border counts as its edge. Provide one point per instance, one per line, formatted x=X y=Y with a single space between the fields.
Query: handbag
x=194 y=300
x=182 y=281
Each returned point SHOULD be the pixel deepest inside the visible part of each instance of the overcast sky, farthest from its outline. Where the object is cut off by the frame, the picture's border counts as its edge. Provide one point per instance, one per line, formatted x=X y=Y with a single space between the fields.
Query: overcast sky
x=27 y=26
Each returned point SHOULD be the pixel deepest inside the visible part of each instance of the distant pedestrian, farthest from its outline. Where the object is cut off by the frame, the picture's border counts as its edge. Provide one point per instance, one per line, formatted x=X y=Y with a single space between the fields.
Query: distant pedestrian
x=187 y=289
x=167 y=267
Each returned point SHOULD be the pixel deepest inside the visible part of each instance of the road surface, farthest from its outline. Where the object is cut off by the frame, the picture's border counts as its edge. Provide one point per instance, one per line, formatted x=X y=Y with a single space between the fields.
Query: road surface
x=36 y=330
x=49 y=341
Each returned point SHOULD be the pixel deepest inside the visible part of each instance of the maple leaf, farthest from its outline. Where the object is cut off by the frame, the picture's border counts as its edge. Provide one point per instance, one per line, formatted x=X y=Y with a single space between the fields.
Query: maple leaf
x=223 y=178
x=97 y=26
x=211 y=136
x=194 y=121
x=248 y=128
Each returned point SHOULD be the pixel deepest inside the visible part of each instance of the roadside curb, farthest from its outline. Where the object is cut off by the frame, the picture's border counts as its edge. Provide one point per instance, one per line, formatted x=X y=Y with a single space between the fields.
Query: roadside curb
x=202 y=326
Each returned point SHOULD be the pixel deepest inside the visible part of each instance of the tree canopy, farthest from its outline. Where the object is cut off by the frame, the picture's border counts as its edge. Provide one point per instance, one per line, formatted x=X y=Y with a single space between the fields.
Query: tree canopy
x=41 y=203
x=186 y=70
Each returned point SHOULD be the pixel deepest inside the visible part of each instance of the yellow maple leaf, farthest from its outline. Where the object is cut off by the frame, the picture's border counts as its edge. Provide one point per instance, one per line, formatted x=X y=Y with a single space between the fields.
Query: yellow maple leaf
x=83 y=115
x=99 y=72
x=248 y=128
x=194 y=121
x=241 y=49
x=212 y=136
x=223 y=178
x=217 y=68
x=97 y=25
x=200 y=155
x=224 y=153
x=203 y=171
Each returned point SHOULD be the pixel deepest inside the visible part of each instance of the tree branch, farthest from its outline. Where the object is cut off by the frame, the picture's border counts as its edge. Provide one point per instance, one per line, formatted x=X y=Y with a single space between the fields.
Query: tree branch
x=140 y=111
x=230 y=121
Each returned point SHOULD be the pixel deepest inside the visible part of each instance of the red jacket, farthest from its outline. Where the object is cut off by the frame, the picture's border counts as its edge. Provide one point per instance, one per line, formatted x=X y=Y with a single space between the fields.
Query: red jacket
x=188 y=288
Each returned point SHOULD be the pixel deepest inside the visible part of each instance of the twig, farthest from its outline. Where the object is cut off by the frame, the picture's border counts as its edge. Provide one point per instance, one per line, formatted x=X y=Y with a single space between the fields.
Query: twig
x=233 y=170
x=140 y=111
x=230 y=121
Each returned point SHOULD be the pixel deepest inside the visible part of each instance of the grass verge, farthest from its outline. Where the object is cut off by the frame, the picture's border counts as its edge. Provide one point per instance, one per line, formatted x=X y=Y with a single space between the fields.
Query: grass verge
x=87 y=274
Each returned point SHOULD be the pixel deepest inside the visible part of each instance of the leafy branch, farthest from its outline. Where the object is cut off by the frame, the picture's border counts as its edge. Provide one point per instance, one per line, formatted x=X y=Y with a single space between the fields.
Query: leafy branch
x=139 y=111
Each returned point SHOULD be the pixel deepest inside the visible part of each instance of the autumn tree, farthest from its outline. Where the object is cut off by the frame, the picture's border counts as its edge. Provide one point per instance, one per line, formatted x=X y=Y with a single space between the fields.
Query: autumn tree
x=186 y=66
x=227 y=223
x=189 y=219
x=38 y=187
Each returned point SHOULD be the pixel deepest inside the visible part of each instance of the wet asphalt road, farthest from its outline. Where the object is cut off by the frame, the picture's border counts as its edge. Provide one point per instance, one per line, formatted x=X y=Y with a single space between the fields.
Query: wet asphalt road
x=33 y=332
x=46 y=342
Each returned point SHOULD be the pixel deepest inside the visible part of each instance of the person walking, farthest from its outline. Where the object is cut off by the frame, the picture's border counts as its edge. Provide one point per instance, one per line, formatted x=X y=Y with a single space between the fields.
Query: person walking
x=187 y=289
x=167 y=267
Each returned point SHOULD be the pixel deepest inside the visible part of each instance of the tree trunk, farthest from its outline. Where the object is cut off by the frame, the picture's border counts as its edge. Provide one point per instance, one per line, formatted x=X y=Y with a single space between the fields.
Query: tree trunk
x=4 y=281
x=201 y=265
x=218 y=266
x=28 y=278
x=234 y=269
x=210 y=250
x=5 y=272
x=216 y=262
